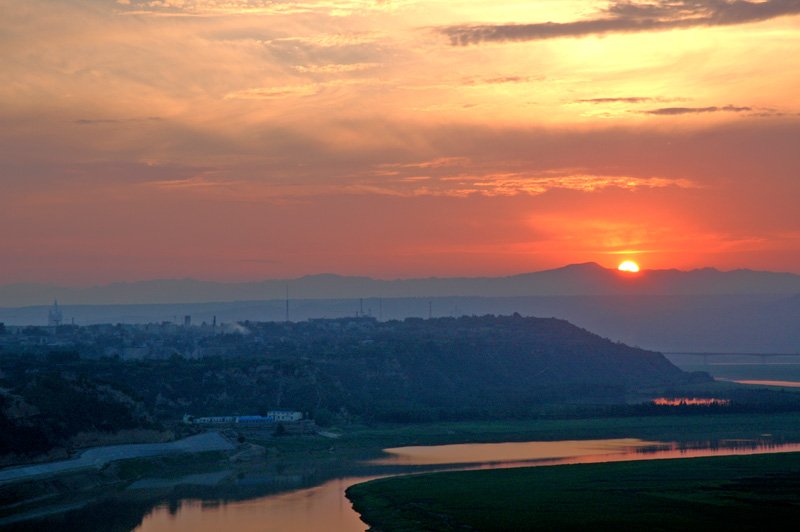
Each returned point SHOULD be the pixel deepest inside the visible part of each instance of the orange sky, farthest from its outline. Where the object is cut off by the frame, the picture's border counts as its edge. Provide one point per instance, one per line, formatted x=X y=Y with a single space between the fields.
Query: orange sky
x=252 y=139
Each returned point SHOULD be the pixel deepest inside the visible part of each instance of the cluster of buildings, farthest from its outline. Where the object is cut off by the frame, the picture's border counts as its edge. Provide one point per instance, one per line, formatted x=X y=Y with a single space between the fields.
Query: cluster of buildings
x=274 y=416
x=178 y=338
x=290 y=422
x=124 y=341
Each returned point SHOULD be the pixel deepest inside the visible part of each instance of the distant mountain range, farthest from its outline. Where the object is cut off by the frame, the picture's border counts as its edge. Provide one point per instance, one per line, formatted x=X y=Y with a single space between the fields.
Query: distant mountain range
x=589 y=279
x=702 y=310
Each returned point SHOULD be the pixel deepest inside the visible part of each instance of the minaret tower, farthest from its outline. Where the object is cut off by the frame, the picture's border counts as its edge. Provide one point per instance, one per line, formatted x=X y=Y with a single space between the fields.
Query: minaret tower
x=54 y=317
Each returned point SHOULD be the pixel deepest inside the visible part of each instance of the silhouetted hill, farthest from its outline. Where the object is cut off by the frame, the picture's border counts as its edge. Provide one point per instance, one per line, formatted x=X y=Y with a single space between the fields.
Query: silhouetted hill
x=445 y=368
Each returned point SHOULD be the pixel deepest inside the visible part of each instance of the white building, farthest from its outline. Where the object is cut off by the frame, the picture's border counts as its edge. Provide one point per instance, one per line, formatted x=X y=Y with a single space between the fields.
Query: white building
x=283 y=415
x=276 y=416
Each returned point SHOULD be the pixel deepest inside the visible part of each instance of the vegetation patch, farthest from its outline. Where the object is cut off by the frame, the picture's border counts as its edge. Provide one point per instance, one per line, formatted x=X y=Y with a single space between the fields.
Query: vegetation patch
x=717 y=493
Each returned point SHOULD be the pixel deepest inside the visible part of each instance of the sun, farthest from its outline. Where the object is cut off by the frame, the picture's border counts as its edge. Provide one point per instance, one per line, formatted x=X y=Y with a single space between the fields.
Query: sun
x=628 y=266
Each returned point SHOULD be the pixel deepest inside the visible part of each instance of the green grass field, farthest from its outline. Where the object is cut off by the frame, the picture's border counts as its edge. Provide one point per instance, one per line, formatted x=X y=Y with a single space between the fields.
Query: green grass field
x=731 y=493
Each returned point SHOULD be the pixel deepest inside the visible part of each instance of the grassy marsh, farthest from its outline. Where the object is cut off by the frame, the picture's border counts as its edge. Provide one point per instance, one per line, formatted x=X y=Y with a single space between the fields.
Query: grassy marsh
x=718 y=493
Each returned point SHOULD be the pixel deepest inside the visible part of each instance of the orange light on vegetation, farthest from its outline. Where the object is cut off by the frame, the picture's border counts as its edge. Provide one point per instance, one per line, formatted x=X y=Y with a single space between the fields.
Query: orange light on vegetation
x=690 y=401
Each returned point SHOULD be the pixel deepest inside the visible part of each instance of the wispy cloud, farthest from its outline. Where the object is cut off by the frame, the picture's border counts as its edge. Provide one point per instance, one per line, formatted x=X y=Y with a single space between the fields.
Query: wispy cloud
x=512 y=184
x=335 y=68
x=469 y=81
x=481 y=80
x=89 y=121
x=460 y=182
x=629 y=17
x=632 y=99
x=192 y=183
x=331 y=40
x=274 y=93
x=232 y=7
x=435 y=163
x=671 y=111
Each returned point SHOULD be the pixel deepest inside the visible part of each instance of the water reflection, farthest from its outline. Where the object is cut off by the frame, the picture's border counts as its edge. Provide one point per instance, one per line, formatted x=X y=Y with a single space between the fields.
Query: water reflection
x=314 y=503
x=325 y=507
x=507 y=452
x=786 y=384
x=321 y=508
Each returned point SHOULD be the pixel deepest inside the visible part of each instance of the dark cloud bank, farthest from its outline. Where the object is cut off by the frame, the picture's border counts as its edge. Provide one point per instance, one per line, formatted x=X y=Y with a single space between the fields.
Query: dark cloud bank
x=629 y=17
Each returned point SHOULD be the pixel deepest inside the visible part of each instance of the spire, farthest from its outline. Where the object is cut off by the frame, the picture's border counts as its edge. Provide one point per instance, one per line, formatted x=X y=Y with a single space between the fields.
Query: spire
x=54 y=317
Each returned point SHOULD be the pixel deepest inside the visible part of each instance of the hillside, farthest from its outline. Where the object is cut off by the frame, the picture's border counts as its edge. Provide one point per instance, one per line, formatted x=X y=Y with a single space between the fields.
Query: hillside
x=46 y=413
x=414 y=370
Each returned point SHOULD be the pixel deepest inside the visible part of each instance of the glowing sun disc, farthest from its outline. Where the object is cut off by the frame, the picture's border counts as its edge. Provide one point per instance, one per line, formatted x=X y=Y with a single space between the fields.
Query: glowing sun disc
x=628 y=266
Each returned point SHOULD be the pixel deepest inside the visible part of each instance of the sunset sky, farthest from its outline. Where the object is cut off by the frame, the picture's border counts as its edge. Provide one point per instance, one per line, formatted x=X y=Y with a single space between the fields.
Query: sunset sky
x=235 y=140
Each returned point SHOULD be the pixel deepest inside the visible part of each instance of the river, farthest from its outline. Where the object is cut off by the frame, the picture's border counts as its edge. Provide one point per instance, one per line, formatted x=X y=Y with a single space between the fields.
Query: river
x=325 y=508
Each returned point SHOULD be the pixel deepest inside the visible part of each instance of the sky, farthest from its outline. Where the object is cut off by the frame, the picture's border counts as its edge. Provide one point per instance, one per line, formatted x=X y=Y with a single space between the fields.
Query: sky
x=235 y=140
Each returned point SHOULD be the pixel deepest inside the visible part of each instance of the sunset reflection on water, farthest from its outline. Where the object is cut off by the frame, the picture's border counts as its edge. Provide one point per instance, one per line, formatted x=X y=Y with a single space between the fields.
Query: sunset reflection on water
x=321 y=508
x=326 y=508
x=472 y=453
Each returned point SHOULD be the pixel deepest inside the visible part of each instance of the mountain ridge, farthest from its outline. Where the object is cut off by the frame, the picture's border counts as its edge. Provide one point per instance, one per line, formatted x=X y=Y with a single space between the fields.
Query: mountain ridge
x=583 y=279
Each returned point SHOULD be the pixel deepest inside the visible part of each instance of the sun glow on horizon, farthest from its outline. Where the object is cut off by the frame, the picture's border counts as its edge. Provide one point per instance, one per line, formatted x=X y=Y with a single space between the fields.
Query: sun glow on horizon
x=628 y=266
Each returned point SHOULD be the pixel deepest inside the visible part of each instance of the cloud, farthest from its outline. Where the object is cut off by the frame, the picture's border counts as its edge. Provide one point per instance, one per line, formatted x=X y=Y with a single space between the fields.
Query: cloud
x=435 y=163
x=88 y=122
x=272 y=93
x=85 y=121
x=330 y=40
x=671 y=111
x=462 y=177
x=479 y=80
x=333 y=8
x=192 y=183
x=512 y=184
x=629 y=17
x=468 y=81
x=335 y=68
x=633 y=99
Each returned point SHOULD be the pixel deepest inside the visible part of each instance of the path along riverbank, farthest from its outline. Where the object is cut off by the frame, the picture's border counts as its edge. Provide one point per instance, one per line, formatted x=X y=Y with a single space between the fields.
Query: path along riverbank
x=98 y=457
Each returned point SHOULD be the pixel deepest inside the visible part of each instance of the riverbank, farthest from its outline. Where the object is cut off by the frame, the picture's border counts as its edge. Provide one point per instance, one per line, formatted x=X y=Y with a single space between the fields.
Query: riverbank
x=698 y=494
x=296 y=462
x=98 y=457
